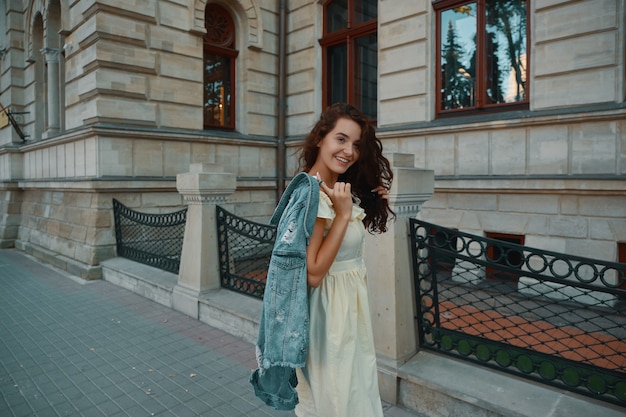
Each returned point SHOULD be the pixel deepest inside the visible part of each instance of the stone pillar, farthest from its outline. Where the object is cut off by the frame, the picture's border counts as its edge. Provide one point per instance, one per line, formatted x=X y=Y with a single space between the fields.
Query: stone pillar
x=52 y=61
x=10 y=213
x=390 y=280
x=203 y=187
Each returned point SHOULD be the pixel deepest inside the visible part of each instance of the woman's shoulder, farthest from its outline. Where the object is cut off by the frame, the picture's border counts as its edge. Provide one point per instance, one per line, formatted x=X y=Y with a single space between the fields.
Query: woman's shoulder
x=325 y=209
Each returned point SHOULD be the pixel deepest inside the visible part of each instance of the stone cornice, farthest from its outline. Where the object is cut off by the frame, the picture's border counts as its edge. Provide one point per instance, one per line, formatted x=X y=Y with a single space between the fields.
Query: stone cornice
x=99 y=185
x=579 y=185
x=135 y=132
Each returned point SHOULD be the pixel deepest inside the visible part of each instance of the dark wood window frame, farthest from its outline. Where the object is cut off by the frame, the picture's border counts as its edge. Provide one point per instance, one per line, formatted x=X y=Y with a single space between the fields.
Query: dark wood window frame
x=220 y=41
x=345 y=36
x=479 y=82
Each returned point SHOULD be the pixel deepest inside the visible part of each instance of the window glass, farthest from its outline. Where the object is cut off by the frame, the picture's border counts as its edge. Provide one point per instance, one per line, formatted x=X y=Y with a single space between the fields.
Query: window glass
x=337 y=15
x=483 y=59
x=219 y=68
x=506 y=51
x=350 y=46
x=365 y=10
x=458 y=57
x=366 y=74
x=337 y=73
x=217 y=90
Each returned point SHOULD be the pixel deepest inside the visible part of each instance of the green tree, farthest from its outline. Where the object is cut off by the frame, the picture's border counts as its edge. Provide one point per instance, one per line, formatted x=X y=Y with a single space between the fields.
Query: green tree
x=457 y=81
x=509 y=18
x=494 y=73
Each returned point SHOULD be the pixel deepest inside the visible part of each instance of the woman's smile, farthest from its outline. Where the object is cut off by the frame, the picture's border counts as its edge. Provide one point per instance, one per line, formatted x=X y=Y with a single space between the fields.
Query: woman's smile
x=338 y=150
x=342 y=160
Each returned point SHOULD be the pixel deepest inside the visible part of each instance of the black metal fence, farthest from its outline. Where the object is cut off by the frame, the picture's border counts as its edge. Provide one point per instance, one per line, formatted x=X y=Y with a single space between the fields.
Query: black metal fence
x=546 y=316
x=245 y=248
x=152 y=239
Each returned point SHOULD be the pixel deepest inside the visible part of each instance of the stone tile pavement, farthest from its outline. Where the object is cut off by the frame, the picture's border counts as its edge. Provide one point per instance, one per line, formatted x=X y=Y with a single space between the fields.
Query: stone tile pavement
x=75 y=348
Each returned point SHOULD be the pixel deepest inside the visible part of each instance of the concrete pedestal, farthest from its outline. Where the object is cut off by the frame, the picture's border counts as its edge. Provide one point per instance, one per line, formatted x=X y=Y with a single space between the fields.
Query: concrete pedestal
x=390 y=278
x=203 y=187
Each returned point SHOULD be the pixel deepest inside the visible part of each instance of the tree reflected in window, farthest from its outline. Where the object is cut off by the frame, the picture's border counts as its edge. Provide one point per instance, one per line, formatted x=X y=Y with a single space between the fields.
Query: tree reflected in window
x=219 y=68
x=482 y=54
x=506 y=44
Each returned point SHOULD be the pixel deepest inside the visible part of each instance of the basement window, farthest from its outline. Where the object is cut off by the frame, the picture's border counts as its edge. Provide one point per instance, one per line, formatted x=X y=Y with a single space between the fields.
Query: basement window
x=621 y=258
x=504 y=257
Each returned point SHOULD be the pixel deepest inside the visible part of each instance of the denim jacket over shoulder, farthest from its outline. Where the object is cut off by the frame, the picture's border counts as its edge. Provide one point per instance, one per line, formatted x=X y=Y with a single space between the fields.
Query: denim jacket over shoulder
x=283 y=338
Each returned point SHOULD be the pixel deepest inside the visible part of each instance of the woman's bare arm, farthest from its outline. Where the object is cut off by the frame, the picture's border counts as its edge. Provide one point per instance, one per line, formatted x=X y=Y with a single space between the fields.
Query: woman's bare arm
x=322 y=250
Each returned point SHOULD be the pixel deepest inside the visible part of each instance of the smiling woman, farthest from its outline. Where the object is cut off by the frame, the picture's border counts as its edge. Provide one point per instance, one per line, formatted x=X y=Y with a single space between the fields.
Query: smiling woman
x=333 y=371
x=340 y=376
x=338 y=151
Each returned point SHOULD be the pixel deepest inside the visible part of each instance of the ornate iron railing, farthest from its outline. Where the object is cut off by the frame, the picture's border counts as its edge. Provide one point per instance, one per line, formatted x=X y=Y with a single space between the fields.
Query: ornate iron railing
x=152 y=239
x=244 y=250
x=546 y=316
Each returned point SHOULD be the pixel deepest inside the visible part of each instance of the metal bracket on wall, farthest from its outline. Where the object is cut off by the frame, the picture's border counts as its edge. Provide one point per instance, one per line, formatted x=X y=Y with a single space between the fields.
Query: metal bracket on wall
x=6 y=117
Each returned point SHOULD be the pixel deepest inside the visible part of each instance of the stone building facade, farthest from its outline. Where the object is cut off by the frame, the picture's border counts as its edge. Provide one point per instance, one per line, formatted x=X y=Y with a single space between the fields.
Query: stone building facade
x=109 y=97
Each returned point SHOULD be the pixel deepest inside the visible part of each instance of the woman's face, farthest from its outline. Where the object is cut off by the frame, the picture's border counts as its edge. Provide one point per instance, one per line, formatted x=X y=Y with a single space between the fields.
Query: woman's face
x=339 y=149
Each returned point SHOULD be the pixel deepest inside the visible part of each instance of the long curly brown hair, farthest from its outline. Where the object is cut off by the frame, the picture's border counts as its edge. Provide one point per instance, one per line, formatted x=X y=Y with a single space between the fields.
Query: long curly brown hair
x=371 y=169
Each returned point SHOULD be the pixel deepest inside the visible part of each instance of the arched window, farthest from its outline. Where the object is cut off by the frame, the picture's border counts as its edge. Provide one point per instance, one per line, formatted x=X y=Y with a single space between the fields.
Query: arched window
x=350 y=53
x=219 y=68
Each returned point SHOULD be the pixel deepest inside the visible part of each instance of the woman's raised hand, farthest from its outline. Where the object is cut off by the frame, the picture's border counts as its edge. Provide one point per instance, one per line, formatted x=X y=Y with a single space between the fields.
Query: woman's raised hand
x=341 y=196
x=382 y=192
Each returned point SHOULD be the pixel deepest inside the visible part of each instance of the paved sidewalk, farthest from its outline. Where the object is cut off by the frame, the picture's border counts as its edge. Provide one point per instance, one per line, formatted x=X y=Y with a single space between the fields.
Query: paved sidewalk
x=75 y=348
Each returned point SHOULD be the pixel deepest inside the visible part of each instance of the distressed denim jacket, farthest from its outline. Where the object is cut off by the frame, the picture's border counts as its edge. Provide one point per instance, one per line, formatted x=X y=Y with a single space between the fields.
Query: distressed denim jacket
x=283 y=338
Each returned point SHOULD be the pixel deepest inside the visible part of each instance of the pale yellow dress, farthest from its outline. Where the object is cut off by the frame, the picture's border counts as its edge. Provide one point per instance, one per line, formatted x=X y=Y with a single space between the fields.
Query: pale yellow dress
x=340 y=378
